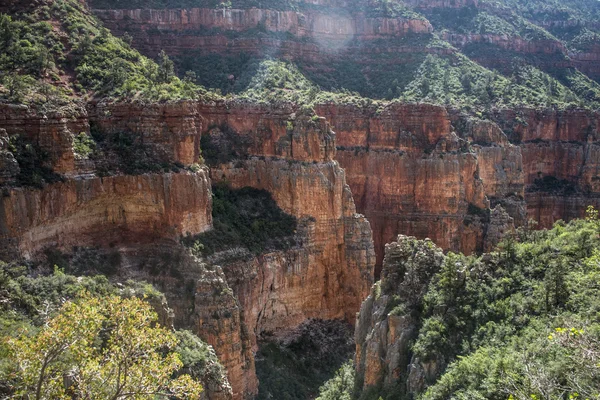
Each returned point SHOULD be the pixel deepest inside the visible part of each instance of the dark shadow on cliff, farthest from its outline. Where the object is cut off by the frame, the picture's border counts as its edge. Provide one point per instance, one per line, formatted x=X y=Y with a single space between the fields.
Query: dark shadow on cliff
x=295 y=366
x=247 y=218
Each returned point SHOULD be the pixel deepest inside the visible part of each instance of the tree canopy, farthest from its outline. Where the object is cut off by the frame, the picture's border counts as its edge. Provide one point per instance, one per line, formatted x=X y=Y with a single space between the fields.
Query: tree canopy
x=108 y=348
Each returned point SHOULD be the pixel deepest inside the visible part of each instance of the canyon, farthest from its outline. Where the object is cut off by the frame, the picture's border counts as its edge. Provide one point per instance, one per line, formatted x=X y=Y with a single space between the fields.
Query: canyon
x=129 y=188
x=396 y=159
x=141 y=217
x=415 y=169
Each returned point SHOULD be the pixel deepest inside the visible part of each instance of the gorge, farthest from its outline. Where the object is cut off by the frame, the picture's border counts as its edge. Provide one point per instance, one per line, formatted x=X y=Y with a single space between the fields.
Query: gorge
x=260 y=171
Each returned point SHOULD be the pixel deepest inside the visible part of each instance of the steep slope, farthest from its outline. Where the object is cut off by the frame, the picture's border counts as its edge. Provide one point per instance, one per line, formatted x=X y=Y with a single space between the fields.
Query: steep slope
x=396 y=156
x=494 y=326
x=101 y=150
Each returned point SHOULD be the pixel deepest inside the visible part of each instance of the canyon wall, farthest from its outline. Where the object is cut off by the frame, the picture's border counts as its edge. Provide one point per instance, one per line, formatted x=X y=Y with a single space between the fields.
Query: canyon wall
x=411 y=173
x=82 y=208
x=292 y=157
x=95 y=207
x=588 y=61
x=433 y=173
x=414 y=169
x=101 y=211
x=331 y=32
x=310 y=35
x=560 y=160
x=338 y=24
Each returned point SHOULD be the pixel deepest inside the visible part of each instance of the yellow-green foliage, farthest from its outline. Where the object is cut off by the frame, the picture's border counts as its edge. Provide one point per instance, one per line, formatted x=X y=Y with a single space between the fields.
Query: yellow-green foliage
x=106 y=348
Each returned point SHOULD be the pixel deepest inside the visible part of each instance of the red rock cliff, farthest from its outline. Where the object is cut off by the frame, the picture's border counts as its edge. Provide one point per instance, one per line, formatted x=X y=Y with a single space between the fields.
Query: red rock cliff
x=421 y=170
x=310 y=35
x=560 y=152
x=410 y=173
x=142 y=217
x=328 y=273
x=85 y=209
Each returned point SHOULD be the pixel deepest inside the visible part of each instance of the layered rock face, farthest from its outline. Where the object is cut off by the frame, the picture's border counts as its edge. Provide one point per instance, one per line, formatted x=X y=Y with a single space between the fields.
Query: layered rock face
x=52 y=133
x=588 y=61
x=411 y=173
x=172 y=131
x=292 y=158
x=84 y=209
x=140 y=218
x=425 y=171
x=560 y=160
x=313 y=32
x=547 y=52
x=101 y=211
x=306 y=24
x=126 y=225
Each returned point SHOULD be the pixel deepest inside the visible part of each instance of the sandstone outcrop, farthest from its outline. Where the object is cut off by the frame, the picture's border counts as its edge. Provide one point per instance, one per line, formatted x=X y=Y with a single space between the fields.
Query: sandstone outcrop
x=422 y=170
x=171 y=130
x=410 y=173
x=141 y=217
x=311 y=23
x=221 y=322
x=85 y=209
x=387 y=322
x=291 y=156
x=101 y=211
x=53 y=133
x=588 y=61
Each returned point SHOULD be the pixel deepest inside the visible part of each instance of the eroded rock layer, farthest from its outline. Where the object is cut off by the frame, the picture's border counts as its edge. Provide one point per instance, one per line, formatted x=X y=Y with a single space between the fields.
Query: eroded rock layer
x=560 y=160
x=312 y=33
x=425 y=171
x=292 y=158
x=127 y=183
x=411 y=172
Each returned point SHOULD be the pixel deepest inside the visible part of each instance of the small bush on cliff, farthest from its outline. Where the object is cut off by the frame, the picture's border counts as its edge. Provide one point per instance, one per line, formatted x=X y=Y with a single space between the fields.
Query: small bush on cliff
x=200 y=360
x=341 y=386
x=83 y=145
x=32 y=163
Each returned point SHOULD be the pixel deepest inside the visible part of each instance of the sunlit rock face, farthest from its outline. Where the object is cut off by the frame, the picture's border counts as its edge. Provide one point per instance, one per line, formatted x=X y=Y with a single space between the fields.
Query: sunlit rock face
x=434 y=173
x=313 y=30
x=560 y=160
x=292 y=157
x=139 y=218
x=328 y=271
x=412 y=172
